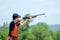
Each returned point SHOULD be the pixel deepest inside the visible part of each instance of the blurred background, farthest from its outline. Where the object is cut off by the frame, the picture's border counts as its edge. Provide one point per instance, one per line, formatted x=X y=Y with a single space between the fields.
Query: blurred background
x=40 y=28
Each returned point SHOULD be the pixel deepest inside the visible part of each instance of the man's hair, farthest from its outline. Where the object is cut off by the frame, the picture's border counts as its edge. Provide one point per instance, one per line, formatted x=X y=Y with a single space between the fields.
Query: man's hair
x=15 y=15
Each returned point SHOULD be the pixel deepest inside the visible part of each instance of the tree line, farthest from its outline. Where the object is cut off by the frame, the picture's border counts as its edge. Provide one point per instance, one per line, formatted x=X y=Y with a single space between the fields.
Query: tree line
x=39 y=31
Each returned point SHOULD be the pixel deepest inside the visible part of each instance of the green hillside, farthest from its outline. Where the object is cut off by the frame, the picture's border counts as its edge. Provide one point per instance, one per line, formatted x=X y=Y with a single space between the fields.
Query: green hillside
x=54 y=27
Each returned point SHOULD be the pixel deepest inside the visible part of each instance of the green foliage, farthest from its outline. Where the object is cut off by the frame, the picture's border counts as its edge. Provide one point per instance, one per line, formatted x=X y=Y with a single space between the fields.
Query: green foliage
x=30 y=36
x=58 y=35
x=3 y=32
x=39 y=31
x=27 y=15
x=26 y=36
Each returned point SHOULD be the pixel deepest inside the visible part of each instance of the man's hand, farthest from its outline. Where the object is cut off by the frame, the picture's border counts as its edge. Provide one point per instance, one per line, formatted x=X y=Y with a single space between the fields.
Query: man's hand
x=22 y=24
x=30 y=17
x=9 y=38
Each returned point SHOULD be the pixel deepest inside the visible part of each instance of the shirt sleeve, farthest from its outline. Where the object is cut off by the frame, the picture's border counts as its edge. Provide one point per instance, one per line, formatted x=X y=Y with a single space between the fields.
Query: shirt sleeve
x=11 y=27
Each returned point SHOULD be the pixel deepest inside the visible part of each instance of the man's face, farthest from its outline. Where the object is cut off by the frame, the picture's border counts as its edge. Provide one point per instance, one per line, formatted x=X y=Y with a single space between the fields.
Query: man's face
x=18 y=19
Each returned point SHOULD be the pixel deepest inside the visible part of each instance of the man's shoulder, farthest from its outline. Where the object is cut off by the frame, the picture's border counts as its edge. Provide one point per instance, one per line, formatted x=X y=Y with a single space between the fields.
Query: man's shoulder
x=12 y=22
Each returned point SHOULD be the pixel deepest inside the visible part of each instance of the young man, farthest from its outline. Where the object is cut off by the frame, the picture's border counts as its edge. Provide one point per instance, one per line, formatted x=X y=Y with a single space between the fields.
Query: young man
x=13 y=27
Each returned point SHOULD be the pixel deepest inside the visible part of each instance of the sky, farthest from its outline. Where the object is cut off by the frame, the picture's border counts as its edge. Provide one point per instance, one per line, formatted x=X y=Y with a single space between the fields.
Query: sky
x=50 y=7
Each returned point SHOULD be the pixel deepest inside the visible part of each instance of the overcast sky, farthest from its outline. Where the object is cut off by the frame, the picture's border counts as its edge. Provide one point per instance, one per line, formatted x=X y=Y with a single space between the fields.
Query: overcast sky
x=50 y=7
